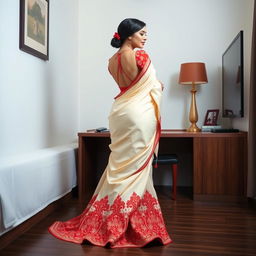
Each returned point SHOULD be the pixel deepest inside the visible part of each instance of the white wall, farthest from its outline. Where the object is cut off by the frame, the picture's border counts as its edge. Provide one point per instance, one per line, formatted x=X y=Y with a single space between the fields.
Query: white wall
x=38 y=99
x=178 y=31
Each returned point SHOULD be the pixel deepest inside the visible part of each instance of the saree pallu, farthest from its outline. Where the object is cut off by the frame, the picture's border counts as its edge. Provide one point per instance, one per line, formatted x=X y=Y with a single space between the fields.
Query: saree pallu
x=124 y=210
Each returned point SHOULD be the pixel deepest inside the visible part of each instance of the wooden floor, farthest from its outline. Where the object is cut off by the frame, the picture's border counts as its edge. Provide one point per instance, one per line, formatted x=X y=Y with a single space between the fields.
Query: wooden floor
x=196 y=229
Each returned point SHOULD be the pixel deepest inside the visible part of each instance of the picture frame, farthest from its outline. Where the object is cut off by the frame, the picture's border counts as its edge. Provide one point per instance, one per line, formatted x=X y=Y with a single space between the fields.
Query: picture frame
x=211 y=117
x=34 y=28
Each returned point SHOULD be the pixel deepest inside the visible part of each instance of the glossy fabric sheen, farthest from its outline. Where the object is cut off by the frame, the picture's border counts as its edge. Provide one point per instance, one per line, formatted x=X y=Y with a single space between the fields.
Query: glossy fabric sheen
x=124 y=210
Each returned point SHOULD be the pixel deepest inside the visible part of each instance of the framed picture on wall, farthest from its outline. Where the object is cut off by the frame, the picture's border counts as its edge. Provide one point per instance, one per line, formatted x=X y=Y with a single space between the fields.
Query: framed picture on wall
x=34 y=27
x=211 y=117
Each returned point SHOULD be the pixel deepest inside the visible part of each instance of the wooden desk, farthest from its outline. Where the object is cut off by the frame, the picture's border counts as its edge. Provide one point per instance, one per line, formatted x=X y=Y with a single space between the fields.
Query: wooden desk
x=219 y=162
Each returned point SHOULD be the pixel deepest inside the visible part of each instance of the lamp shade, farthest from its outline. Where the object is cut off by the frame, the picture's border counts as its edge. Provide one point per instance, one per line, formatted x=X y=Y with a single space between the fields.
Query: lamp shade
x=193 y=73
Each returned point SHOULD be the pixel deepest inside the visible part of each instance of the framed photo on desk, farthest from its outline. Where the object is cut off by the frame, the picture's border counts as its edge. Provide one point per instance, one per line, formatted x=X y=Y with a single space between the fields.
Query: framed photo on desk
x=211 y=117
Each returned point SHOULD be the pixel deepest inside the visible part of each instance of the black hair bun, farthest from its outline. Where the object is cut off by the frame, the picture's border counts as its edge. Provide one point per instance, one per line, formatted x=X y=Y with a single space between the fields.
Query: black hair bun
x=116 y=42
x=125 y=29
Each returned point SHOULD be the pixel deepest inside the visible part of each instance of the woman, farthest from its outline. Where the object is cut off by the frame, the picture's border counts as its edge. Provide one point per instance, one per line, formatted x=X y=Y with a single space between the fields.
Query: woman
x=124 y=210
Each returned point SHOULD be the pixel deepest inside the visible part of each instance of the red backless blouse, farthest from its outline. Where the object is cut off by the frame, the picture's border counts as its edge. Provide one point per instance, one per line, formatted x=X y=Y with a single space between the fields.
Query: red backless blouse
x=141 y=59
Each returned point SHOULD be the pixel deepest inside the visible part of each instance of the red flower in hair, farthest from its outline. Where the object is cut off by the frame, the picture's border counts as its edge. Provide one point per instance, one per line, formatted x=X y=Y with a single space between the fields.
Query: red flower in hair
x=117 y=36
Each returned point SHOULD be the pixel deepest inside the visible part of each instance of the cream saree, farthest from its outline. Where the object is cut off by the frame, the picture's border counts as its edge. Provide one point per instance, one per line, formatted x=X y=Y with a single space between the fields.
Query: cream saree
x=124 y=210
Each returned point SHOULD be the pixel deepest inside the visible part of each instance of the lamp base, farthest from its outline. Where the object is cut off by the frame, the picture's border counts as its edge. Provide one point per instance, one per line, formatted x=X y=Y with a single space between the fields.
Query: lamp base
x=193 y=128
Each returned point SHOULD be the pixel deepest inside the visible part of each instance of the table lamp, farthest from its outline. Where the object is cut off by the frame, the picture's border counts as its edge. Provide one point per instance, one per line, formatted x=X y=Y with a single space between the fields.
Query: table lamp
x=193 y=73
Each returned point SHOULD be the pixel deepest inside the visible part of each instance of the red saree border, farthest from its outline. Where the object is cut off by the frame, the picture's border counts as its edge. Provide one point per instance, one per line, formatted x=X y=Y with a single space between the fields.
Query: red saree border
x=114 y=247
x=133 y=223
x=139 y=76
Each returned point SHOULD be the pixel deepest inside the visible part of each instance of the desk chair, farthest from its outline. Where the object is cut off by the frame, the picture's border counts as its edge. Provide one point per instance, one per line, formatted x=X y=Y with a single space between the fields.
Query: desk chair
x=169 y=159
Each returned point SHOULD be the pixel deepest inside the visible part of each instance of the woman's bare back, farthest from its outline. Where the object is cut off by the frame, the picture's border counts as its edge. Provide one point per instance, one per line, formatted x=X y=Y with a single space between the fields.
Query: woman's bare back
x=123 y=67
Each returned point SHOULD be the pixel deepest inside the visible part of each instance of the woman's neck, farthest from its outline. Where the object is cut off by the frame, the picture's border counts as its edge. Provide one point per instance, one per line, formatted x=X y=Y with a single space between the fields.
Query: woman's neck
x=126 y=46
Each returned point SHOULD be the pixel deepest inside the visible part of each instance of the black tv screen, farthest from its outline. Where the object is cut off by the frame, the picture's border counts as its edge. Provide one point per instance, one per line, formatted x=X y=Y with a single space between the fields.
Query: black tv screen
x=233 y=79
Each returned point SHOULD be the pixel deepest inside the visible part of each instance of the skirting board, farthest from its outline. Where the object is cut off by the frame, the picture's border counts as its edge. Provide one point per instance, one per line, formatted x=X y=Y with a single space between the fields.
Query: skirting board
x=23 y=227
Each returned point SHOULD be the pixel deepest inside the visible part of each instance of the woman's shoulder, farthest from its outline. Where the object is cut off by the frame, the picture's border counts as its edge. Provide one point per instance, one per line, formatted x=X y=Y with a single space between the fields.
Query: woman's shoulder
x=141 y=52
x=141 y=58
x=127 y=57
x=127 y=54
x=111 y=61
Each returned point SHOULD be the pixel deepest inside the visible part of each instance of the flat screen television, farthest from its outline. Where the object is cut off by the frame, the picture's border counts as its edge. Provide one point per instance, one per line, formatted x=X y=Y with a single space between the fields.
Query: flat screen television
x=233 y=79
